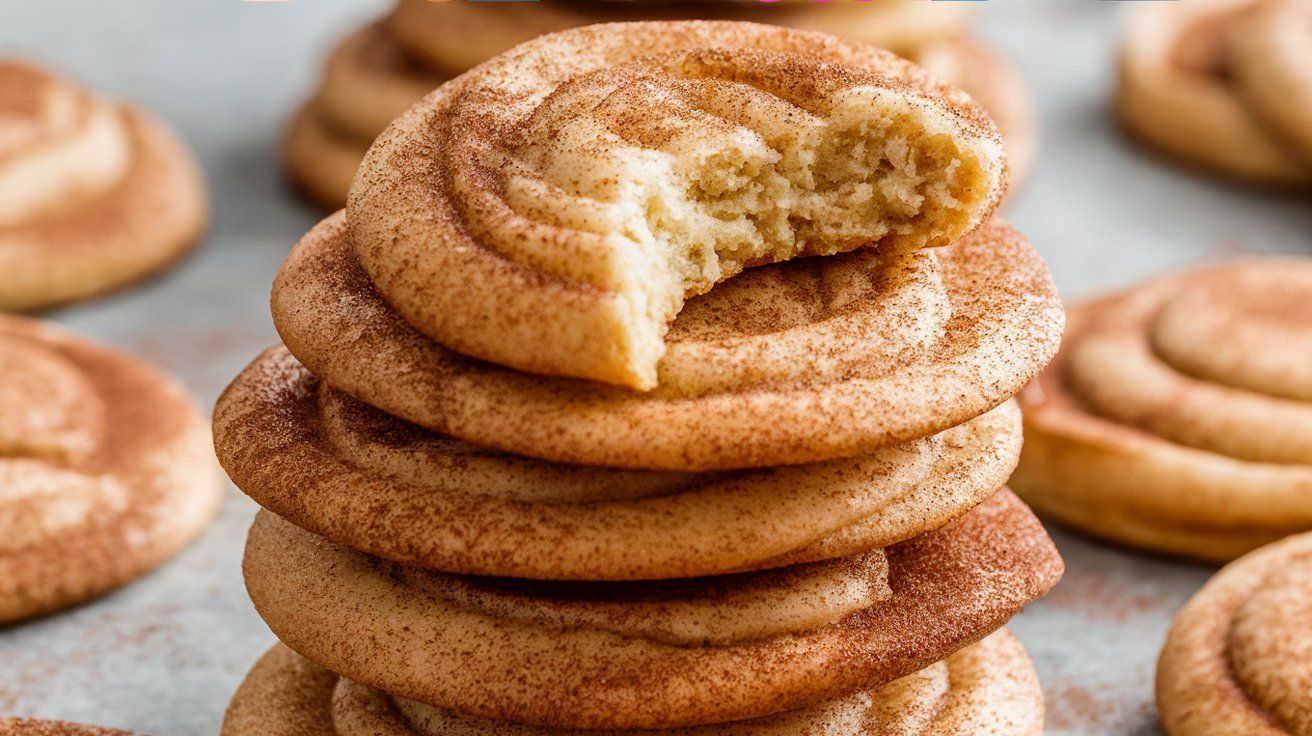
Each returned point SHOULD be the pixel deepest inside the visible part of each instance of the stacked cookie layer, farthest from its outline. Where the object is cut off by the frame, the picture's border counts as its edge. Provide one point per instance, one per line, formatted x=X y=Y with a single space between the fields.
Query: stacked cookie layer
x=1176 y=417
x=643 y=494
x=379 y=71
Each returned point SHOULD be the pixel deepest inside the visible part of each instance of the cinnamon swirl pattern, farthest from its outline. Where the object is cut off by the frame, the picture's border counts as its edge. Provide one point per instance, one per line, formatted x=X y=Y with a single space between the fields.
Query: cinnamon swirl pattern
x=522 y=214
x=1236 y=658
x=94 y=195
x=381 y=70
x=1175 y=418
x=1224 y=85
x=801 y=527
x=104 y=469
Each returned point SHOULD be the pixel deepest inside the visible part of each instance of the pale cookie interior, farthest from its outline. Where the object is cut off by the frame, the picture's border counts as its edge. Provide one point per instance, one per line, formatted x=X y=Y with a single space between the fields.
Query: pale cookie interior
x=709 y=179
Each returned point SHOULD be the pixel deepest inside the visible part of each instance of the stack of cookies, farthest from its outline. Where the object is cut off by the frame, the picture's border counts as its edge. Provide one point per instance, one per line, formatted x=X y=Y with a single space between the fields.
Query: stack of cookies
x=532 y=461
x=379 y=71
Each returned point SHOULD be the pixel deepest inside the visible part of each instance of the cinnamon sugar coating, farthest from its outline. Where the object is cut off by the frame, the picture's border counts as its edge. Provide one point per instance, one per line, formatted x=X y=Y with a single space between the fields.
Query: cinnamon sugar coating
x=773 y=375
x=35 y=727
x=379 y=71
x=1176 y=417
x=552 y=209
x=1235 y=660
x=93 y=195
x=104 y=469
x=375 y=483
x=986 y=689
x=362 y=618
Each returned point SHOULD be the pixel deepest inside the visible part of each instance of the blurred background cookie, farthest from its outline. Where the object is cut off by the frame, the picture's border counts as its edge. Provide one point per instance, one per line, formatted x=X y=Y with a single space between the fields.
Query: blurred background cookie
x=380 y=70
x=1176 y=417
x=1224 y=85
x=1236 y=658
x=94 y=195
x=105 y=469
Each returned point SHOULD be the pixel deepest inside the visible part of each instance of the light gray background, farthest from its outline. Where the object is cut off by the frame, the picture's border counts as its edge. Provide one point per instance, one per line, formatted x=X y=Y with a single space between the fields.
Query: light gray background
x=164 y=655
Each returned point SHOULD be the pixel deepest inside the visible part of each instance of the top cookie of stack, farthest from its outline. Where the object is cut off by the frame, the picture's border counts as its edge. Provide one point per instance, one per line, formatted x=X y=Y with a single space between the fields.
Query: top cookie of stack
x=777 y=494
x=381 y=70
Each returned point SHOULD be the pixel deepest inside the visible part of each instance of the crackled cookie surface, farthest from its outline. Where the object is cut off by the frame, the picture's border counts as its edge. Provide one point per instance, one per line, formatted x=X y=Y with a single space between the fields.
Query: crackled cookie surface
x=608 y=656
x=1236 y=658
x=798 y=362
x=1176 y=416
x=1221 y=84
x=552 y=209
x=93 y=195
x=105 y=469
x=986 y=688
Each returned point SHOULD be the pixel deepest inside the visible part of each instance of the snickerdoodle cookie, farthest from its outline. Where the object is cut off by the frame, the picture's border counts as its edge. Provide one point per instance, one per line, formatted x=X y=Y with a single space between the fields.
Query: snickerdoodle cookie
x=1236 y=659
x=1222 y=84
x=552 y=209
x=373 y=482
x=1176 y=417
x=649 y=655
x=105 y=469
x=812 y=360
x=94 y=195
x=987 y=688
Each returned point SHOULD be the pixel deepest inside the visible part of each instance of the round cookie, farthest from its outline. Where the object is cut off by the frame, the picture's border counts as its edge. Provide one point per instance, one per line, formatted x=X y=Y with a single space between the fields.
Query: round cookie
x=1175 y=92
x=1163 y=426
x=36 y=727
x=552 y=209
x=1235 y=660
x=372 y=482
x=1271 y=56
x=105 y=469
x=93 y=195
x=453 y=37
x=988 y=687
x=801 y=362
x=596 y=656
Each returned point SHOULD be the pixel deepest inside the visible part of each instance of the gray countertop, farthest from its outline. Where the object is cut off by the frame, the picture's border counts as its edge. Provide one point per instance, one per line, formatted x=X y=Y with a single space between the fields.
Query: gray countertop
x=163 y=655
